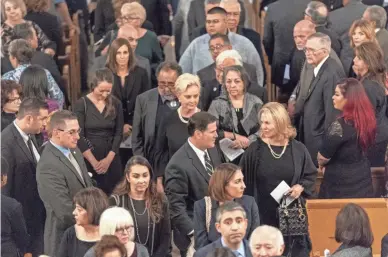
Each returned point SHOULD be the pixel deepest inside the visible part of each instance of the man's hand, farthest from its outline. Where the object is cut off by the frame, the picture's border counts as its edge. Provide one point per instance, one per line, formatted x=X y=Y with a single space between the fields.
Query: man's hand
x=295 y=191
x=159 y=185
x=291 y=108
x=49 y=51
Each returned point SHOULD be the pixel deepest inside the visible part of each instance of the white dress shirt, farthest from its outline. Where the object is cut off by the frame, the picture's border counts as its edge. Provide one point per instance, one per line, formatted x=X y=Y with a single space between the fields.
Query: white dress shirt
x=199 y=153
x=25 y=139
x=316 y=69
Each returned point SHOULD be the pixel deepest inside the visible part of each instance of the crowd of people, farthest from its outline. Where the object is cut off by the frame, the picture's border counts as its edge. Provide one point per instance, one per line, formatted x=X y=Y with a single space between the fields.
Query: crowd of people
x=159 y=155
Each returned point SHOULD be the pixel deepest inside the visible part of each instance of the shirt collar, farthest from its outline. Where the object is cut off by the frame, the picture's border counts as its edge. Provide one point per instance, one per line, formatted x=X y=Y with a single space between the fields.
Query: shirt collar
x=316 y=69
x=198 y=151
x=240 y=252
x=64 y=150
x=22 y=133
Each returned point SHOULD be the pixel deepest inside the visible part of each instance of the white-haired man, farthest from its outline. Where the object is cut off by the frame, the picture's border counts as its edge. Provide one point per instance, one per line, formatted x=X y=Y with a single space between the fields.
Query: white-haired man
x=213 y=88
x=266 y=241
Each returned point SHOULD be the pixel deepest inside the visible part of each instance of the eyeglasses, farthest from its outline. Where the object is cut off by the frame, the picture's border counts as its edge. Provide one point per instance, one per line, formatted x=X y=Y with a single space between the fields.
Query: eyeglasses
x=14 y=100
x=217 y=47
x=233 y=14
x=310 y=50
x=127 y=229
x=71 y=132
x=163 y=84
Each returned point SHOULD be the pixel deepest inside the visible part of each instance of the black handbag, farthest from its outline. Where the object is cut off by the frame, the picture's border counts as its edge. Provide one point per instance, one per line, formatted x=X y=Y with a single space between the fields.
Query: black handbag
x=293 y=218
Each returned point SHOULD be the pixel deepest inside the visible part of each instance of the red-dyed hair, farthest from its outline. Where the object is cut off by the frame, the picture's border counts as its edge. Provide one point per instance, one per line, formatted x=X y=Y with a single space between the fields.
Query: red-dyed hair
x=359 y=111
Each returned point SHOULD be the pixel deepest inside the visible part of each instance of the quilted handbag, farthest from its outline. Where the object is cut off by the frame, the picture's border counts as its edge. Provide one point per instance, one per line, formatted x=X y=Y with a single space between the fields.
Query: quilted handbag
x=293 y=218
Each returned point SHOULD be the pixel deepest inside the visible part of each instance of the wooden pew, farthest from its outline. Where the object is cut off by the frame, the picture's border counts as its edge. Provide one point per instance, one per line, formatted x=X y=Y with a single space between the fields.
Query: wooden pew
x=322 y=215
x=378 y=180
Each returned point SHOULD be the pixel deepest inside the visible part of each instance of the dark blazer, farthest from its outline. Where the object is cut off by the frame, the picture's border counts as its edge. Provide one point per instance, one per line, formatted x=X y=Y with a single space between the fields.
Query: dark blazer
x=203 y=238
x=143 y=128
x=209 y=73
x=319 y=104
x=186 y=181
x=384 y=246
x=21 y=183
x=197 y=17
x=159 y=15
x=14 y=236
x=342 y=19
x=212 y=89
x=135 y=83
x=279 y=25
x=252 y=35
x=58 y=182
x=217 y=244
x=335 y=40
x=382 y=39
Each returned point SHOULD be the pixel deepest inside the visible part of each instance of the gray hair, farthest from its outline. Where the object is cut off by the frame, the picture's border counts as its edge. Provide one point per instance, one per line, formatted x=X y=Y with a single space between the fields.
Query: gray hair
x=226 y=2
x=21 y=50
x=114 y=218
x=232 y=54
x=229 y=207
x=184 y=81
x=269 y=233
x=316 y=15
x=239 y=69
x=378 y=15
x=323 y=39
x=212 y=2
x=169 y=66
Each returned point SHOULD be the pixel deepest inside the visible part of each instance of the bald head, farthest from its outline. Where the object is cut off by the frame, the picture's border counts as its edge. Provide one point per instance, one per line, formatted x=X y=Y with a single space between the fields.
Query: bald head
x=317 y=13
x=129 y=33
x=302 y=30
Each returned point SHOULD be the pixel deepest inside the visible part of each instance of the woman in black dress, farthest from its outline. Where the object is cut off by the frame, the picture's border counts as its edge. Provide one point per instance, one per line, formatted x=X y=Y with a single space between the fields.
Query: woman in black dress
x=10 y=101
x=149 y=209
x=226 y=184
x=90 y=203
x=100 y=117
x=173 y=132
x=343 y=152
x=129 y=81
x=275 y=157
x=370 y=69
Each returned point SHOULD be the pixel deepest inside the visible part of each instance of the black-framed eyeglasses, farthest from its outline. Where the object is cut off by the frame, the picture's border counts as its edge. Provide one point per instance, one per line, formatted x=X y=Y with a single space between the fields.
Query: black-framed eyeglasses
x=14 y=100
x=216 y=47
x=71 y=132
x=121 y=230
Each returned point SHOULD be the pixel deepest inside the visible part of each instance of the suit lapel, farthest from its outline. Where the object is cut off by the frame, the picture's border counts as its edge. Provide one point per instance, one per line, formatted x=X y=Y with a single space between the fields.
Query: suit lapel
x=196 y=162
x=66 y=161
x=153 y=109
x=200 y=12
x=20 y=142
x=316 y=80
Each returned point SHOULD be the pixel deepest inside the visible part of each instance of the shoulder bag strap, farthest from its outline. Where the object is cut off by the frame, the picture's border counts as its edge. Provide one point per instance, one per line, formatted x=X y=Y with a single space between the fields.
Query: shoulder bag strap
x=208 y=204
x=117 y=199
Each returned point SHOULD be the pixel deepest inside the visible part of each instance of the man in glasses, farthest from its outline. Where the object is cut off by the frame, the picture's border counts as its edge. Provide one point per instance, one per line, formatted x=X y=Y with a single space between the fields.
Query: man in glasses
x=20 y=149
x=61 y=173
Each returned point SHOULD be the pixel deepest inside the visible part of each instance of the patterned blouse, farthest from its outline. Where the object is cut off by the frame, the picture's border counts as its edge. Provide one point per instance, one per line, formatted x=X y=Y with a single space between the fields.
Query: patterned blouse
x=7 y=33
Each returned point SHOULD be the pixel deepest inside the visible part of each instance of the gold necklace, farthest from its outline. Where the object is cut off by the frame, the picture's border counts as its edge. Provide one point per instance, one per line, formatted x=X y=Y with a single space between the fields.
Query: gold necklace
x=275 y=155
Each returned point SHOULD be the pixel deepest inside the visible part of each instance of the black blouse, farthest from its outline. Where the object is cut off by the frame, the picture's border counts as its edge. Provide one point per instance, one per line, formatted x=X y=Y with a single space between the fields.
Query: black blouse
x=71 y=246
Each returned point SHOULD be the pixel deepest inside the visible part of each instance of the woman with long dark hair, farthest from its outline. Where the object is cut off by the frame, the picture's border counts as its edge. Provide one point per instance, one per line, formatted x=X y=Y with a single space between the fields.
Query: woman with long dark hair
x=149 y=209
x=10 y=101
x=100 y=116
x=348 y=139
x=370 y=69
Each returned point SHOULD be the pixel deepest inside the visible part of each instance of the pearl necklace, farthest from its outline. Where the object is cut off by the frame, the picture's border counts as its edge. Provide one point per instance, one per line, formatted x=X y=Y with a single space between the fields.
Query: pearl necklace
x=275 y=155
x=180 y=115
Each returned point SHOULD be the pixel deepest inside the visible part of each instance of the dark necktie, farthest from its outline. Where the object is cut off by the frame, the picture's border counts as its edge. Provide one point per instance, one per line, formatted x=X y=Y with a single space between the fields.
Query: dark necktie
x=31 y=148
x=208 y=165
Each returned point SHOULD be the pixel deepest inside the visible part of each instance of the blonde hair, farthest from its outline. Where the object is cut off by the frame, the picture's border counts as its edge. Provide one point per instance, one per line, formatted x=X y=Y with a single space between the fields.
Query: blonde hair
x=366 y=27
x=17 y=3
x=132 y=9
x=114 y=218
x=186 y=80
x=281 y=119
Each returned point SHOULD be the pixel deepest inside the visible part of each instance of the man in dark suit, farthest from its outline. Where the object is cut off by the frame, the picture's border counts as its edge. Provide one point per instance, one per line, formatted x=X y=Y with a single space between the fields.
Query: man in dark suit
x=61 y=173
x=378 y=16
x=317 y=105
x=151 y=108
x=188 y=173
x=231 y=223
x=197 y=13
x=266 y=241
x=384 y=246
x=211 y=89
x=19 y=148
x=219 y=43
x=342 y=19
x=159 y=15
x=317 y=13
x=280 y=20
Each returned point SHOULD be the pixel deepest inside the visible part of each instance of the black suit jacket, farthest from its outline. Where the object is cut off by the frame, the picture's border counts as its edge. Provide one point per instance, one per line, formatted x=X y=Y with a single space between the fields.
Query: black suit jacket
x=212 y=89
x=203 y=238
x=335 y=40
x=135 y=83
x=209 y=73
x=159 y=15
x=197 y=17
x=384 y=246
x=382 y=39
x=319 y=105
x=186 y=181
x=58 y=182
x=21 y=183
x=217 y=244
x=278 y=40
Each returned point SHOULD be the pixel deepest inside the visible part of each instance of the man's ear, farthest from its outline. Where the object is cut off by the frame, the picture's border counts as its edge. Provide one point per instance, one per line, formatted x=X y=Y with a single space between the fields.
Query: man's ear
x=218 y=227
x=281 y=249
